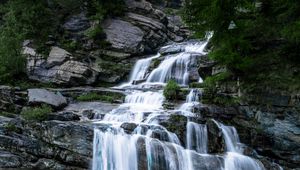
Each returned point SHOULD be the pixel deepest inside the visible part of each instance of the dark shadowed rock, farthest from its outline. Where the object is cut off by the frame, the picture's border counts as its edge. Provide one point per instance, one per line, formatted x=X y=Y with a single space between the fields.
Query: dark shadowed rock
x=77 y=23
x=216 y=143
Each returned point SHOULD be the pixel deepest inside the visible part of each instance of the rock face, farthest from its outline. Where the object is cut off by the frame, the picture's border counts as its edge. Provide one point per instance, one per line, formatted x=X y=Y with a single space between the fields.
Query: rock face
x=46 y=145
x=44 y=96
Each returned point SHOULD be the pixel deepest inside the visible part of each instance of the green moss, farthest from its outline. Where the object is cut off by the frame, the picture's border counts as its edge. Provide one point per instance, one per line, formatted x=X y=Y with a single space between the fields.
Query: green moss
x=171 y=90
x=36 y=113
x=196 y=85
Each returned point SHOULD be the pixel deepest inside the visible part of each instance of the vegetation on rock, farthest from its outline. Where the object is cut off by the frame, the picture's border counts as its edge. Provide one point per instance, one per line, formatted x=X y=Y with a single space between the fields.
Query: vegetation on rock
x=36 y=113
x=171 y=90
x=97 y=97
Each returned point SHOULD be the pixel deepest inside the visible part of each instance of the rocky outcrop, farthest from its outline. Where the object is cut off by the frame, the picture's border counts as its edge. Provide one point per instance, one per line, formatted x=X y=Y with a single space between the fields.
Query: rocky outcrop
x=58 y=68
x=40 y=96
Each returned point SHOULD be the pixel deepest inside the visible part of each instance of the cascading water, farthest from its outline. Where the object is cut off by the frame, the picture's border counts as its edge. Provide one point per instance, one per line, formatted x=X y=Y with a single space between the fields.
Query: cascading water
x=139 y=70
x=131 y=137
x=196 y=137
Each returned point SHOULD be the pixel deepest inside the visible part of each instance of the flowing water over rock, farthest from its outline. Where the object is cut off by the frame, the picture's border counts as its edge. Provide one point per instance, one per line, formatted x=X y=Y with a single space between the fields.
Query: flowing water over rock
x=134 y=138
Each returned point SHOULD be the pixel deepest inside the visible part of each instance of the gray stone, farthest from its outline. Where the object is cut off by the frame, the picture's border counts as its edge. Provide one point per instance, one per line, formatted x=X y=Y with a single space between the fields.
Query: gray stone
x=74 y=72
x=77 y=23
x=47 y=97
x=124 y=36
x=57 y=56
x=171 y=49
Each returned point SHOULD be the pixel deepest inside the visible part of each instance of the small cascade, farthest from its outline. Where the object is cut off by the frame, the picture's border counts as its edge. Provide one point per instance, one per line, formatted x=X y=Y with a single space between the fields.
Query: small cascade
x=236 y=161
x=114 y=150
x=139 y=70
x=234 y=158
x=136 y=105
x=192 y=99
x=231 y=138
x=196 y=137
x=174 y=67
x=194 y=96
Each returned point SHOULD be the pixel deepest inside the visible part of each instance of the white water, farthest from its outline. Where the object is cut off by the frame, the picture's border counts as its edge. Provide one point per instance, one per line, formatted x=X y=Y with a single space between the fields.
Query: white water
x=139 y=70
x=234 y=159
x=196 y=137
x=151 y=146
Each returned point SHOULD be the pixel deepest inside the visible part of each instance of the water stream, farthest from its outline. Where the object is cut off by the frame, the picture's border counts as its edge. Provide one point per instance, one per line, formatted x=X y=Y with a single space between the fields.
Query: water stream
x=134 y=139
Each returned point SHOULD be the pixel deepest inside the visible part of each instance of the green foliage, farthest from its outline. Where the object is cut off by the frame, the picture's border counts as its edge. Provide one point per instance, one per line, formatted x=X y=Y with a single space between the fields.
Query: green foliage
x=171 y=90
x=265 y=38
x=10 y=127
x=196 y=85
x=93 y=96
x=36 y=113
x=20 y=20
x=95 y=32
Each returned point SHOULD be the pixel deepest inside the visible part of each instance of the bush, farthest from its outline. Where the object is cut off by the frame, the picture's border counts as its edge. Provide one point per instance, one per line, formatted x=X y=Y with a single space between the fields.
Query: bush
x=10 y=127
x=96 y=97
x=171 y=90
x=36 y=113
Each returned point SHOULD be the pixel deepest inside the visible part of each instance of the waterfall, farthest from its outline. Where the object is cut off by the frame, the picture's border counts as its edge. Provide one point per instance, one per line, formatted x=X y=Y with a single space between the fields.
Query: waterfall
x=134 y=136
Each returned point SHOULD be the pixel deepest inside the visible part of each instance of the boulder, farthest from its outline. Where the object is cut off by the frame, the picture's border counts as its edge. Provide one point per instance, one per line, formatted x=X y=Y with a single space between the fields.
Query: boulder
x=74 y=72
x=57 y=56
x=124 y=36
x=44 y=96
x=77 y=23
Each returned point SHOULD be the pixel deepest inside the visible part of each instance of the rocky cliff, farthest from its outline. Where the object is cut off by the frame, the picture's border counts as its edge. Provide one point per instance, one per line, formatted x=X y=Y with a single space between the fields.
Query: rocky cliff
x=140 y=31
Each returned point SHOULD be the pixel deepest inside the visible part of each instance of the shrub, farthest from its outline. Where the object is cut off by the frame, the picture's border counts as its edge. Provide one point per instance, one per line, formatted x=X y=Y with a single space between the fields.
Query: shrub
x=171 y=90
x=96 y=97
x=36 y=113
x=10 y=127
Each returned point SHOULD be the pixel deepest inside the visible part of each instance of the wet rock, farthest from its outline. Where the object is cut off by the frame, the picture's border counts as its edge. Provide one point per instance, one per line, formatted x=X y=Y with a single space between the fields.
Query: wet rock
x=129 y=127
x=172 y=49
x=207 y=162
x=216 y=143
x=177 y=125
x=40 y=96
